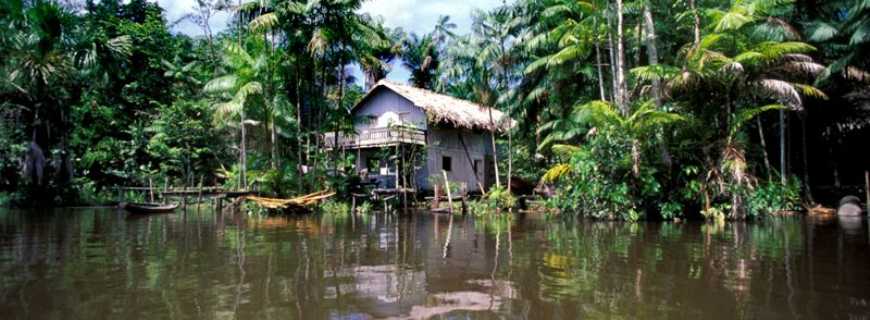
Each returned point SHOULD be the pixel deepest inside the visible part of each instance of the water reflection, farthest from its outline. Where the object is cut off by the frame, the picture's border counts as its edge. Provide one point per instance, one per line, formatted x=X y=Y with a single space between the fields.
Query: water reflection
x=202 y=264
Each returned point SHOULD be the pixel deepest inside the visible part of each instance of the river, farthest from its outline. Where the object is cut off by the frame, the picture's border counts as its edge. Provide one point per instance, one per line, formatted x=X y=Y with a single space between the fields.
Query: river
x=106 y=264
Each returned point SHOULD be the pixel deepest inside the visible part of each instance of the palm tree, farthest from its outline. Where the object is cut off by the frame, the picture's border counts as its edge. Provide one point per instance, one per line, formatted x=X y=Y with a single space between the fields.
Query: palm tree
x=47 y=49
x=421 y=56
x=236 y=89
x=605 y=116
x=376 y=55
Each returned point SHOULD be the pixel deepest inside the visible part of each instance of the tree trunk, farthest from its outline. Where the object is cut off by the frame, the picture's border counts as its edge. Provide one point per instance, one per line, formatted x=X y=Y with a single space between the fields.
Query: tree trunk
x=274 y=138
x=337 y=124
x=782 y=148
x=805 y=159
x=621 y=95
x=635 y=158
x=696 y=27
x=510 y=158
x=494 y=150
x=299 y=161
x=652 y=51
x=243 y=153
x=763 y=147
x=598 y=65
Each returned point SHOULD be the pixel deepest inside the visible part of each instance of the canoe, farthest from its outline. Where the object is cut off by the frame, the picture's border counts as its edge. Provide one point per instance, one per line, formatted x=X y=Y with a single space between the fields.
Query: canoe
x=149 y=208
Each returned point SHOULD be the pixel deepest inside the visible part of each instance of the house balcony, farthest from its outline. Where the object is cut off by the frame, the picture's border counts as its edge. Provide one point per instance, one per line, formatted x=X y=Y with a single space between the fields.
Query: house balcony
x=376 y=137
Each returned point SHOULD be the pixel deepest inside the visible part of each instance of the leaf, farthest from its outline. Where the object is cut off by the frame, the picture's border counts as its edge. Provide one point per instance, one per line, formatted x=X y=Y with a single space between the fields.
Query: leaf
x=221 y=84
x=565 y=150
x=808 y=68
x=822 y=31
x=598 y=113
x=566 y=55
x=655 y=72
x=861 y=34
x=811 y=91
x=556 y=172
x=264 y=22
x=781 y=90
x=744 y=116
x=733 y=20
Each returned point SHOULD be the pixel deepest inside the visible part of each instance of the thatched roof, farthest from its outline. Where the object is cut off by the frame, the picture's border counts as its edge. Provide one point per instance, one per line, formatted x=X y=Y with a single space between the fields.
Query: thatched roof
x=445 y=109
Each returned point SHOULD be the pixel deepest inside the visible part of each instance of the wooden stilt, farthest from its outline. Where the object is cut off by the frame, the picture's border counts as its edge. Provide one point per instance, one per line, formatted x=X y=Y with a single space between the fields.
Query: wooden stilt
x=436 y=200
x=463 y=197
x=199 y=194
x=165 y=189
x=151 y=189
x=447 y=187
x=353 y=204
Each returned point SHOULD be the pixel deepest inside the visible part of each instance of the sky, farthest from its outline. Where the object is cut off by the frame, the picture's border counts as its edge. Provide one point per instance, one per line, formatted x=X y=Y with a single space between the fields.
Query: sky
x=418 y=16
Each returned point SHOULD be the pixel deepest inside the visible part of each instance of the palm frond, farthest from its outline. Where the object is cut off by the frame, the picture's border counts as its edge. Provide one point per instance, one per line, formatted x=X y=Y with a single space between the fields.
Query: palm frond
x=597 y=113
x=221 y=84
x=654 y=72
x=780 y=90
x=556 y=172
x=264 y=22
x=822 y=31
x=746 y=115
x=565 y=150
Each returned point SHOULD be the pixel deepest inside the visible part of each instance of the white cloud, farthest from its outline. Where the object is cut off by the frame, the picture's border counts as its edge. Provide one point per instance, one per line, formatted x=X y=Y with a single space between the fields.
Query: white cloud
x=420 y=16
x=175 y=9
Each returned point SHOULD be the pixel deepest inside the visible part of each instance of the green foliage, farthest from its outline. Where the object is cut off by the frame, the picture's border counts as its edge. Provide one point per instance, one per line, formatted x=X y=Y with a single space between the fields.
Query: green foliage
x=773 y=197
x=495 y=200
x=597 y=183
x=335 y=208
x=182 y=141
x=364 y=208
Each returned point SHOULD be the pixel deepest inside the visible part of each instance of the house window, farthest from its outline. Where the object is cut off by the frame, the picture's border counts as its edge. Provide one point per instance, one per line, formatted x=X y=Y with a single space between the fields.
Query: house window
x=446 y=163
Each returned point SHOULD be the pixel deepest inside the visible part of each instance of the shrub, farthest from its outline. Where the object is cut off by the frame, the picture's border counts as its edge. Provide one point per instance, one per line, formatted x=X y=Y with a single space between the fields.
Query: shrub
x=771 y=197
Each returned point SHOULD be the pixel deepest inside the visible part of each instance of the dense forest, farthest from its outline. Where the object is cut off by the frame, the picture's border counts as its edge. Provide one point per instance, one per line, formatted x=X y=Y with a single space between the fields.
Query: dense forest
x=643 y=109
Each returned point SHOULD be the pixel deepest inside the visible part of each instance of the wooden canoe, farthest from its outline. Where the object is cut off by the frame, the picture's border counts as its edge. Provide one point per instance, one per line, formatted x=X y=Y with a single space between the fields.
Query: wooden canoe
x=149 y=208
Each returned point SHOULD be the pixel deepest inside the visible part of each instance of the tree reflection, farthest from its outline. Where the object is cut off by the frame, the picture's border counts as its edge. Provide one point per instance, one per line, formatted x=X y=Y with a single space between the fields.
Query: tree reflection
x=97 y=263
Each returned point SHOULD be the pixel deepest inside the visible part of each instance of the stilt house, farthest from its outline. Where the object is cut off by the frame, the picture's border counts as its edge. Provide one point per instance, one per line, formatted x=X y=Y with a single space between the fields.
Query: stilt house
x=405 y=136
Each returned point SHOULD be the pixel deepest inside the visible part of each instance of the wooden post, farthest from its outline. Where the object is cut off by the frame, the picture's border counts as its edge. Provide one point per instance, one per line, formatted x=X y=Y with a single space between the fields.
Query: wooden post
x=151 y=189
x=464 y=194
x=199 y=194
x=436 y=199
x=353 y=203
x=867 y=189
x=165 y=189
x=447 y=186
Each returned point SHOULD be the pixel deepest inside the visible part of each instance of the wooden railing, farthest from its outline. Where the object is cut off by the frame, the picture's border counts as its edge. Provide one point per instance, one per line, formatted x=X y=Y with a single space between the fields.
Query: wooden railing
x=377 y=137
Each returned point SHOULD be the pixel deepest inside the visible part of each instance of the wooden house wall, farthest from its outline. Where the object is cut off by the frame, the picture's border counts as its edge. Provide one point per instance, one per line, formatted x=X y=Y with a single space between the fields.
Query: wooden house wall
x=443 y=142
x=366 y=115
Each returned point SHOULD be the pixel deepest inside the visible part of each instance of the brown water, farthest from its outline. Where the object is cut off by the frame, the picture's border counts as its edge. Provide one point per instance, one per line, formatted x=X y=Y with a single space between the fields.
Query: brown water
x=96 y=264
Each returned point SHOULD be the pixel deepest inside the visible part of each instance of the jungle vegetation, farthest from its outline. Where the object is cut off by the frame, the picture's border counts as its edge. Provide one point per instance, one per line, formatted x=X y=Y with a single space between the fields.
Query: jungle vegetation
x=630 y=109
